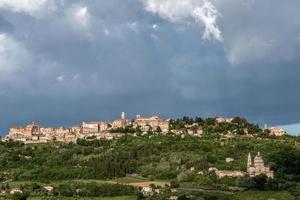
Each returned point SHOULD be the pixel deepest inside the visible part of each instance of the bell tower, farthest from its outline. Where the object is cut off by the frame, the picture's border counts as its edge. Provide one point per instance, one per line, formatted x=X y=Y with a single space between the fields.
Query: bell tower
x=123 y=115
x=249 y=162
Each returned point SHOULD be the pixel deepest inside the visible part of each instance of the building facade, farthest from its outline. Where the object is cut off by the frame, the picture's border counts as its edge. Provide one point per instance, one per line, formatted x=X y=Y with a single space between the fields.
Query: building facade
x=257 y=167
x=154 y=122
x=121 y=123
x=276 y=131
x=24 y=133
x=88 y=128
x=224 y=120
x=226 y=173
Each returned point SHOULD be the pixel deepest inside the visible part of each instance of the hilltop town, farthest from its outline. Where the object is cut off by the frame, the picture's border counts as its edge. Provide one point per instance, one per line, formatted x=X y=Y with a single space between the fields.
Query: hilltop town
x=33 y=133
x=150 y=158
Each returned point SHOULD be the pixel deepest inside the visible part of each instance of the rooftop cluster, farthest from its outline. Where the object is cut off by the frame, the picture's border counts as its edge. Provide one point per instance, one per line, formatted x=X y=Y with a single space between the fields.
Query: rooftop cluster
x=115 y=129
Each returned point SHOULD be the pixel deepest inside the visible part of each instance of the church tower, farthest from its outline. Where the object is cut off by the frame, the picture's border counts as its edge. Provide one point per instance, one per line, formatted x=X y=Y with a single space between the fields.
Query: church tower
x=123 y=116
x=249 y=163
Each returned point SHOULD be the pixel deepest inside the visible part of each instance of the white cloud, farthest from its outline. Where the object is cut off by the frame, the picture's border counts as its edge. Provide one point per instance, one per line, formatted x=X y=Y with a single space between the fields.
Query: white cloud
x=79 y=15
x=202 y=12
x=82 y=15
x=26 y=6
x=207 y=15
x=12 y=54
x=60 y=78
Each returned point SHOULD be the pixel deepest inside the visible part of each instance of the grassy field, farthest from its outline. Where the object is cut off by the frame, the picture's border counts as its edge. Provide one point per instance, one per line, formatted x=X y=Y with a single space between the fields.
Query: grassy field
x=88 y=198
x=17 y=184
x=261 y=196
x=130 y=180
x=138 y=181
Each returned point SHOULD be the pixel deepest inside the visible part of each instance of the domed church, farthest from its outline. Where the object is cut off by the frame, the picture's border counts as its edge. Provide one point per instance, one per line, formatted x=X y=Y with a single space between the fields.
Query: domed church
x=258 y=167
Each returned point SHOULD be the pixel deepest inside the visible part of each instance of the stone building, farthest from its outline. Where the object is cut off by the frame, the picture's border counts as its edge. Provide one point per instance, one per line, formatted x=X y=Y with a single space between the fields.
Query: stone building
x=60 y=134
x=193 y=130
x=70 y=138
x=147 y=191
x=226 y=173
x=222 y=120
x=49 y=188
x=15 y=190
x=276 y=131
x=153 y=122
x=23 y=133
x=47 y=133
x=32 y=129
x=103 y=126
x=258 y=167
x=17 y=134
x=89 y=128
x=94 y=127
x=77 y=129
x=121 y=123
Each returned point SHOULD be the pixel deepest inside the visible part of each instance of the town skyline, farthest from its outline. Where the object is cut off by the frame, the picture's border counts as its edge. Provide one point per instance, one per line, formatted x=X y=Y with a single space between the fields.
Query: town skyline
x=141 y=125
x=289 y=128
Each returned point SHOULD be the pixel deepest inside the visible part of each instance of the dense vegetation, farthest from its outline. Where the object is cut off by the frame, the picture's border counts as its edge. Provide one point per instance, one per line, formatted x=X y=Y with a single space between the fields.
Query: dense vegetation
x=239 y=126
x=74 y=189
x=182 y=160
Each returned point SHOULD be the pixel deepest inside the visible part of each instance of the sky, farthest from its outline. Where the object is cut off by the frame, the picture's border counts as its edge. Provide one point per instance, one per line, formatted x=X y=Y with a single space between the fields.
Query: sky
x=67 y=61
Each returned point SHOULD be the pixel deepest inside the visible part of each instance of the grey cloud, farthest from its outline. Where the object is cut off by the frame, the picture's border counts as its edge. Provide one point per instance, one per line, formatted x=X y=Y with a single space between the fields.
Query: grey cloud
x=5 y=26
x=260 y=31
x=125 y=64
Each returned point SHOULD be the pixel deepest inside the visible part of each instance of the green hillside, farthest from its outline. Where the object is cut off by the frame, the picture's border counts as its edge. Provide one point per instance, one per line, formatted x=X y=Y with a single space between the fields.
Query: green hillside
x=97 y=165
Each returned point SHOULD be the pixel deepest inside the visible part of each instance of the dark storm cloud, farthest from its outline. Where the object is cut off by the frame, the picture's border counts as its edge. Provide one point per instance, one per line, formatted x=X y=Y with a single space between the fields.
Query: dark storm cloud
x=85 y=60
x=5 y=26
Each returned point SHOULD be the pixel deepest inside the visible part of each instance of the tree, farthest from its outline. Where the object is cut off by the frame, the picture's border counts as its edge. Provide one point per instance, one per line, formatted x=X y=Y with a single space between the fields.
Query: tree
x=182 y=197
x=174 y=184
x=139 y=195
x=240 y=121
x=260 y=182
x=138 y=130
x=19 y=196
x=272 y=184
x=158 y=130
x=210 y=121
x=198 y=120
x=287 y=160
